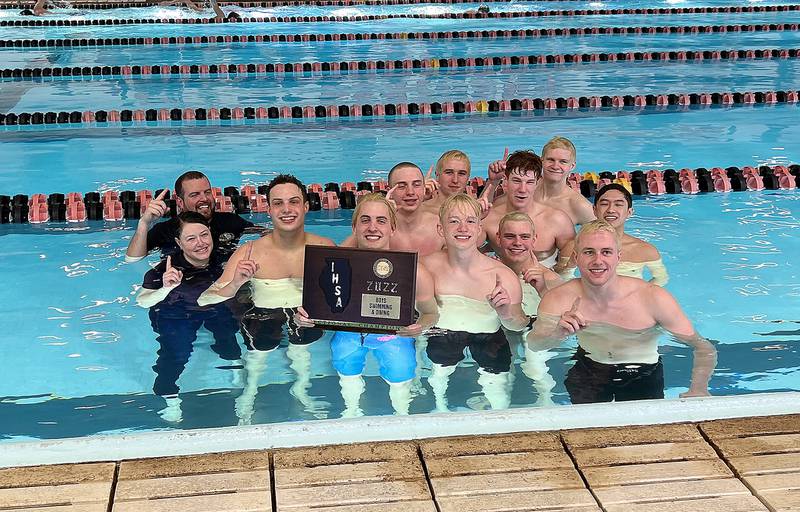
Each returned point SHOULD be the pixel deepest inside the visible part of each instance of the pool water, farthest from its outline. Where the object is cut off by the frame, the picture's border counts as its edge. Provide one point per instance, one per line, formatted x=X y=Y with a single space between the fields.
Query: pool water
x=79 y=352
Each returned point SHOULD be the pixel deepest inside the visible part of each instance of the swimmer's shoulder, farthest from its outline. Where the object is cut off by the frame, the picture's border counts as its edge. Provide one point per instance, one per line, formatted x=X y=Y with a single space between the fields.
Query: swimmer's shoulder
x=580 y=209
x=312 y=239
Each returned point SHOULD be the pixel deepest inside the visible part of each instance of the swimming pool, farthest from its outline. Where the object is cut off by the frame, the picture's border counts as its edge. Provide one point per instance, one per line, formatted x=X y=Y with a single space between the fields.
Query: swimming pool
x=79 y=360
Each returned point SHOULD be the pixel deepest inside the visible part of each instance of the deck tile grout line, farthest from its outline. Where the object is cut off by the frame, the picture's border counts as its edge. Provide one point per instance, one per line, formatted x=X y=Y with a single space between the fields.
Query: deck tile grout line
x=733 y=469
x=578 y=469
x=427 y=477
x=273 y=493
x=113 y=491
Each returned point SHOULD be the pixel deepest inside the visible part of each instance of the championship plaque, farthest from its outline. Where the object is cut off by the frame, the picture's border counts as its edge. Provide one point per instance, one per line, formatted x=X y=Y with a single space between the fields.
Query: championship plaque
x=362 y=290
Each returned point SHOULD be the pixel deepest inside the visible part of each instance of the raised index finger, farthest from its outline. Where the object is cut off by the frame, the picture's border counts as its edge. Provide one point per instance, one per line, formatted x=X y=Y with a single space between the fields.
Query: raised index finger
x=497 y=281
x=533 y=257
x=391 y=191
x=162 y=194
x=169 y=263
x=505 y=154
x=575 y=305
x=249 y=250
x=430 y=171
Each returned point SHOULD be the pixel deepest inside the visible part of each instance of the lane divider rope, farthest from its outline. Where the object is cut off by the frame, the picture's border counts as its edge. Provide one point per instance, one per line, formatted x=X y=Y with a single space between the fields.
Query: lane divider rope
x=373 y=66
x=129 y=204
x=175 y=116
x=278 y=3
x=374 y=17
x=466 y=34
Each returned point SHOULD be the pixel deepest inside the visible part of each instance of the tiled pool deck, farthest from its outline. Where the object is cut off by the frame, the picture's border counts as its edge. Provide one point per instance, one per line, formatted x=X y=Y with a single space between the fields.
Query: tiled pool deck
x=734 y=465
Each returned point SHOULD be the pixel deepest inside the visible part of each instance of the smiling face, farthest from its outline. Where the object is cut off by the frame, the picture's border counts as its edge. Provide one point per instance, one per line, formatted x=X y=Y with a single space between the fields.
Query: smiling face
x=520 y=188
x=453 y=176
x=373 y=226
x=613 y=208
x=597 y=256
x=557 y=163
x=196 y=243
x=196 y=197
x=515 y=240
x=287 y=207
x=410 y=188
x=460 y=227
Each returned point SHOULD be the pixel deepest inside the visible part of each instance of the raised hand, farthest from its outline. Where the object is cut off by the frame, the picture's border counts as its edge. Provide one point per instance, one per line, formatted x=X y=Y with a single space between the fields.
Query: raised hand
x=156 y=208
x=534 y=275
x=572 y=321
x=431 y=185
x=499 y=297
x=390 y=196
x=487 y=198
x=246 y=268
x=497 y=169
x=172 y=276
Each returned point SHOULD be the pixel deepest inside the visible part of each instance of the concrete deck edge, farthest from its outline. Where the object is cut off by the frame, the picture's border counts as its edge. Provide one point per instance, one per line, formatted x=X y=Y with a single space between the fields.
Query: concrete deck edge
x=387 y=428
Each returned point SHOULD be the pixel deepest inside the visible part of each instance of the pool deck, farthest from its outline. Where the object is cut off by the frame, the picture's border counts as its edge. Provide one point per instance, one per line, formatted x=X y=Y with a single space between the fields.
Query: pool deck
x=730 y=465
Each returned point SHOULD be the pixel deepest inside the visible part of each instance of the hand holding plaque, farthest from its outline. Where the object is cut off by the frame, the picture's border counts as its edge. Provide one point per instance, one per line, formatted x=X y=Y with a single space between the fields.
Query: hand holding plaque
x=360 y=290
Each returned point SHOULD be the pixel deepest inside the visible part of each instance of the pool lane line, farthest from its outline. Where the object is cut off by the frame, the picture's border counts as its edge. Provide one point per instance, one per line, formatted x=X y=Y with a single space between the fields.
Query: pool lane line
x=377 y=66
x=112 y=205
x=394 y=36
x=240 y=115
x=376 y=17
x=288 y=3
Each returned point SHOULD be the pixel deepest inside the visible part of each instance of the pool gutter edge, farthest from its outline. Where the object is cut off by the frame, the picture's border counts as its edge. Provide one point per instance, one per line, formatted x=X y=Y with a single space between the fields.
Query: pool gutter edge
x=387 y=428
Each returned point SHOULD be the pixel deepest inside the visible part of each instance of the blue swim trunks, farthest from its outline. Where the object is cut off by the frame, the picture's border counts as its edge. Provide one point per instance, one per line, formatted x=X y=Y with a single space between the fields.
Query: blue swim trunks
x=395 y=354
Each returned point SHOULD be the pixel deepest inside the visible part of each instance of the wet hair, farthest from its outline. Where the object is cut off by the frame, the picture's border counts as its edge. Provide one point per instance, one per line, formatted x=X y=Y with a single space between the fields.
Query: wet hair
x=524 y=161
x=460 y=201
x=454 y=154
x=187 y=176
x=483 y=9
x=403 y=165
x=233 y=16
x=596 y=226
x=375 y=197
x=516 y=217
x=614 y=186
x=26 y=12
x=560 y=143
x=185 y=218
x=282 y=179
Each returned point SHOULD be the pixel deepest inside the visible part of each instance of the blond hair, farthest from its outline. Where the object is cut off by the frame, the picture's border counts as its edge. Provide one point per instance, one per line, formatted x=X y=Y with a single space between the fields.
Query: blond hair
x=597 y=226
x=460 y=201
x=374 y=197
x=455 y=154
x=558 y=142
x=516 y=217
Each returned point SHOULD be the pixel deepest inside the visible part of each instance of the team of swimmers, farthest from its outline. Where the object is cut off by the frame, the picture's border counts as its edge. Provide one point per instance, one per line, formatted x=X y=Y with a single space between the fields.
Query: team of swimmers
x=524 y=295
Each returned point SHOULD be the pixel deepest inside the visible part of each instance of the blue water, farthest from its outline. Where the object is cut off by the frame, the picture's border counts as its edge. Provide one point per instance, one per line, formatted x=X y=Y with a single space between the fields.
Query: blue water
x=394 y=50
x=398 y=25
x=137 y=158
x=78 y=351
x=83 y=356
x=166 y=12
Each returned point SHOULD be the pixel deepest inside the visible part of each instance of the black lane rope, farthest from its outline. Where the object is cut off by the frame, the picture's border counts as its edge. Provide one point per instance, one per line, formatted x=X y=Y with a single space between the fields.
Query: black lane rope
x=278 y=3
x=175 y=116
x=401 y=36
x=374 y=17
x=376 y=66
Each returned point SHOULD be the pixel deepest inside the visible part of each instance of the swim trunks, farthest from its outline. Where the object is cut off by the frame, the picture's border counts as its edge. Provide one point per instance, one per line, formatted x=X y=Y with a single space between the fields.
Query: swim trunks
x=396 y=355
x=262 y=329
x=490 y=350
x=589 y=381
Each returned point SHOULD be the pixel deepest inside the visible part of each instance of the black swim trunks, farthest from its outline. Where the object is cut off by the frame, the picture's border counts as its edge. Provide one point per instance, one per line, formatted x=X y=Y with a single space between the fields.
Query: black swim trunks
x=262 y=329
x=490 y=351
x=589 y=381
